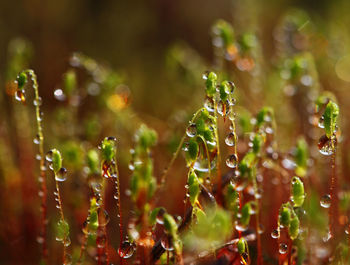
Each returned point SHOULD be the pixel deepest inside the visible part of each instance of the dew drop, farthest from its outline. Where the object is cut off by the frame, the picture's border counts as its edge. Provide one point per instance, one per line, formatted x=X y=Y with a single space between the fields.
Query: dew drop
x=126 y=249
x=325 y=201
x=103 y=217
x=240 y=227
x=166 y=243
x=49 y=156
x=261 y=229
x=275 y=234
x=223 y=108
x=231 y=161
x=321 y=122
x=326 y=145
x=283 y=248
x=160 y=215
x=61 y=175
x=205 y=75
x=59 y=95
x=40 y=239
x=230 y=139
x=20 y=96
x=38 y=101
x=209 y=104
x=36 y=139
x=191 y=130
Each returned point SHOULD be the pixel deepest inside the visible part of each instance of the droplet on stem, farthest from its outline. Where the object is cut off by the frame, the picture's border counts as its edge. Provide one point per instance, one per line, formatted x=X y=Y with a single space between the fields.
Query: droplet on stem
x=61 y=175
x=191 y=130
x=231 y=161
x=126 y=249
x=325 y=201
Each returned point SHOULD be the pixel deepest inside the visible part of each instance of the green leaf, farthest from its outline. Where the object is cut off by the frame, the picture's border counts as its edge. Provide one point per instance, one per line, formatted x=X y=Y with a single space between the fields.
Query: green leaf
x=330 y=118
x=193 y=187
x=241 y=245
x=294 y=228
x=298 y=195
x=56 y=160
x=210 y=84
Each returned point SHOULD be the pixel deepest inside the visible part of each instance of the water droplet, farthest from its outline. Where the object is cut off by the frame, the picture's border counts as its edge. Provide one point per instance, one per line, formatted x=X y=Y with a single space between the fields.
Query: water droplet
x=209 y=104
x=205 y=75
x=230 y=139
x=240 y=227
x=191 y=130
x=59 y=95
x=103 y=217
x=321 y=122
x=231 y=87
x=261 y=229
x=38 y=101
x=325 y=201
x=166 y=243
x=231 y=161
x=49 y=156
x=223 y=108
x=36 y=139
x=20 y=96
x=61 y=175
x=283 y=248
x=67 y=242
x=40 y=239
x=160 y=215
x=275 y=234
x=126 y=249
x=326 y=145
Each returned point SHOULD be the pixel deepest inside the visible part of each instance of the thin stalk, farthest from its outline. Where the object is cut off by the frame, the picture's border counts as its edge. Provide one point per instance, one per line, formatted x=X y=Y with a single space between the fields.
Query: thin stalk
x=207 y=154
x=42 y=178
x=101 y=229
x=290 y=245
x=218 y=155
x=59 y=201
x=119 y=211
x=82 y=249
x=333 y=211
x=257 y=223
x=175 y=155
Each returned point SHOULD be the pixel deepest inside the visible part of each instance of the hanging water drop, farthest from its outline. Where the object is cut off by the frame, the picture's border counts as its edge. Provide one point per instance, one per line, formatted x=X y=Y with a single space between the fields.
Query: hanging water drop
x=166 y=243
x=191 y=130
x=103 y=217
x=321 y=122
x=36 y=139
x=283 y=248
x=223 y=108
x=49 y=156
x=61 y=175
x=38 y=101
x=205 y=75
x=231 y=161
x=126 y=249
x=275 y=234
x=209 y=104
x=325 y=201
x=326 y=145
x=230 y=139
x=20 y=96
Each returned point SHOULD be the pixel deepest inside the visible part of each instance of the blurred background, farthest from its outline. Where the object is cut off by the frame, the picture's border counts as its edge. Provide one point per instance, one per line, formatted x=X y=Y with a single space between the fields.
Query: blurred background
x=142 y=62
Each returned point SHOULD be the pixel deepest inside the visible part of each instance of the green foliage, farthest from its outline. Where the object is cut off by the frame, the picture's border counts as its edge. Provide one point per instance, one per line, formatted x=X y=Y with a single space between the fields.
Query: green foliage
x=297 y=192
x=193 y=187
x=56 y=160
x=301 y=157
x=330 y=118
x=241 y=245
